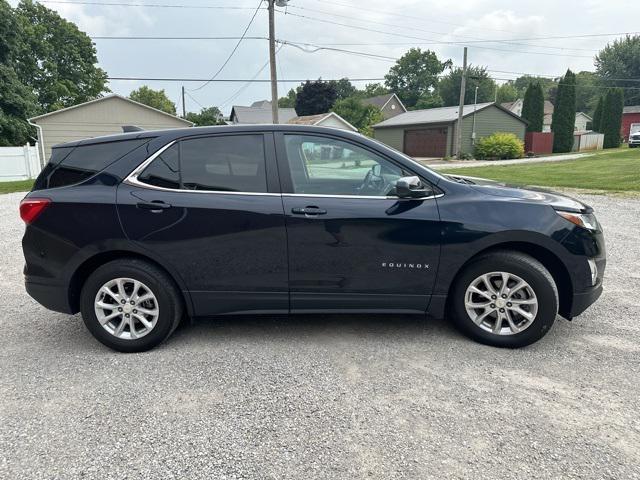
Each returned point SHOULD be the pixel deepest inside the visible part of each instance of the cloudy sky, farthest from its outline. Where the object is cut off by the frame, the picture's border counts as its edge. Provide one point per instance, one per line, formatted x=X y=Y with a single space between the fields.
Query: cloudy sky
x=375 y=27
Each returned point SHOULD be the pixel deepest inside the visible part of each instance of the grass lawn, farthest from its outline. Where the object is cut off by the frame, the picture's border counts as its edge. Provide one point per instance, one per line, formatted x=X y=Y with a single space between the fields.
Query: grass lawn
x=612 y=170
x=17 y=186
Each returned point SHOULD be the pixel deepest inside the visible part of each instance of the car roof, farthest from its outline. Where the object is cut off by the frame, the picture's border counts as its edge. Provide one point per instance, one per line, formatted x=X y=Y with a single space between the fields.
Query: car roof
x=173 y=133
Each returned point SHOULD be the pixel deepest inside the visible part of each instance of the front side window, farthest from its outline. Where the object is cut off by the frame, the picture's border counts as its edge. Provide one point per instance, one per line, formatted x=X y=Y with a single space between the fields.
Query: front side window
x=233 y=163
x=327 y=166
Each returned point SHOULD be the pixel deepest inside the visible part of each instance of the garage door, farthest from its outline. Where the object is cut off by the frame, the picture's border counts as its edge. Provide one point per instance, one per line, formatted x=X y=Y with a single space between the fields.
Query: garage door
x=426 y=142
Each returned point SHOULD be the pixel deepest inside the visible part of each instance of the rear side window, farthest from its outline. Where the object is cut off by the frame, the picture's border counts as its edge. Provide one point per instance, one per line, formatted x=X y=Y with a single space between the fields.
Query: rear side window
x=232 y=163
x=70 y=165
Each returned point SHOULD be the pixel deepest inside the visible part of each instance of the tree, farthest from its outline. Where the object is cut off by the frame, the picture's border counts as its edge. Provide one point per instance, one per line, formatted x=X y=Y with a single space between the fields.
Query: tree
x=429 y=100
x=315 y=97
x=612 y=117
x=154 y=98
x=344 y=88
x=533 y=107
x=507 y=92
x=587 y=91
x=597 y=115
x=521 y=84
x=373 y=90
x=17 y=102
x=207 y=116
x=564 y=114
x=414 y=75
x=358 y=114
x=55 y=59
x=619 y=61
x=289 y=101
x=449 y=86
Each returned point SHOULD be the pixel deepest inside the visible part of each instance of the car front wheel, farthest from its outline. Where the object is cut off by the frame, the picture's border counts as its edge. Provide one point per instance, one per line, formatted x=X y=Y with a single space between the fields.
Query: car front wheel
x=130 y=305
x=504 y=299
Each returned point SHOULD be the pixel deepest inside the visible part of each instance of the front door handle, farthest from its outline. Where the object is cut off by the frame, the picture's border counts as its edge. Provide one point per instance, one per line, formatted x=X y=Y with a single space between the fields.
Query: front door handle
x=154 y=206
x=308 y=211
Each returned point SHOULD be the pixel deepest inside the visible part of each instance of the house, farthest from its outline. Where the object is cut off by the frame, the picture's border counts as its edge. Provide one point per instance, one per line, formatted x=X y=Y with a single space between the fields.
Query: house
x=258 y=113
x=102 y=116
x=389 y=104
x=583 y=122
x=432 y=132
x=330 y=119
x=630 y=114
x=516 y=107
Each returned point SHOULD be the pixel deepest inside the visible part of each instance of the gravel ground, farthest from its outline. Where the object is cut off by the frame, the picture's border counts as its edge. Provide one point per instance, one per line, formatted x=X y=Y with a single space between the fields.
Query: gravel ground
x=324 y=397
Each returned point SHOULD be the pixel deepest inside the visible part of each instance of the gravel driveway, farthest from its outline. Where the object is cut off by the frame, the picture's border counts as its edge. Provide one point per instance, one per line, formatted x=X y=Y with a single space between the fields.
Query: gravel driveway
x=324 y=397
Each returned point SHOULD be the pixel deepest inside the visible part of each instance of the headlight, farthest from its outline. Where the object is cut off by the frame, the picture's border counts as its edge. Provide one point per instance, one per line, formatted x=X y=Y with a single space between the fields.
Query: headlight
x=584 y=220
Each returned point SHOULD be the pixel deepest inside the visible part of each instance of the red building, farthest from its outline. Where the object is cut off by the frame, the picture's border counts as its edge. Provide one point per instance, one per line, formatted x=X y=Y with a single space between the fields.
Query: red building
x=630 y=115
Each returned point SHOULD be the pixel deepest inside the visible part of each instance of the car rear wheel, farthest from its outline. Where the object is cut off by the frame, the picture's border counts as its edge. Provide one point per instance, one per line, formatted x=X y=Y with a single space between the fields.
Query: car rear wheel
x=130 y=305
x=504 y=299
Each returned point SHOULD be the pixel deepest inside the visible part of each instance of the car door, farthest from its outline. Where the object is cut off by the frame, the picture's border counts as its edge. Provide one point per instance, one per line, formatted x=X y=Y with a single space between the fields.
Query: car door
x=210 y=208
x=353 y=245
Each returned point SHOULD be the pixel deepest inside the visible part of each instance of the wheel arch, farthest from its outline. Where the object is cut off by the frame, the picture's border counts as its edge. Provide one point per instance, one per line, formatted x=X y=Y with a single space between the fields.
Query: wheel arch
x=89 y=265
x=546 y=257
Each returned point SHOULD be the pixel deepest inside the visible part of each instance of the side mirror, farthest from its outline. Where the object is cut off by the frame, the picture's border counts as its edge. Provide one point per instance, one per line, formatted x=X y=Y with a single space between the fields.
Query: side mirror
x=411 y=187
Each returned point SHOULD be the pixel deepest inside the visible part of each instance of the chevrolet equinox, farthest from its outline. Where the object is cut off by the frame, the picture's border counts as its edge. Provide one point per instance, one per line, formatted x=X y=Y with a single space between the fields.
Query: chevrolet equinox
x=138 y=230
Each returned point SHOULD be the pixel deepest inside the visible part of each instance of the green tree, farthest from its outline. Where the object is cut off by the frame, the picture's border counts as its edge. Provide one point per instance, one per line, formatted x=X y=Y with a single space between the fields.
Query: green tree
x=56 y=60
x=414 y=75
x=521 y=84
x=207 y=116
x=17 y=102
x=587 y=91
x=619 y=60
x=612 y=117
x=564 y=114
x=507 y=92
x=429 y=100
x=344 y=88
x=449 y=86
x=358 y=114
x=597 y=115
x=373 y=90
x=315 y=97
x=533 y=107
x=289 y=101
x=154 y=98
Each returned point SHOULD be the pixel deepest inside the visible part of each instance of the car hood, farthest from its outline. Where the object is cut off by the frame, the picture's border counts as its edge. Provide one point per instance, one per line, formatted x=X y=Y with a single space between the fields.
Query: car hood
x=500 y=189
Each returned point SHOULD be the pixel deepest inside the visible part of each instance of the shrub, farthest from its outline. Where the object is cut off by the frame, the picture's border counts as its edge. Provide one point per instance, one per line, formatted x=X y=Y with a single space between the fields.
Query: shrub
x=499 y=146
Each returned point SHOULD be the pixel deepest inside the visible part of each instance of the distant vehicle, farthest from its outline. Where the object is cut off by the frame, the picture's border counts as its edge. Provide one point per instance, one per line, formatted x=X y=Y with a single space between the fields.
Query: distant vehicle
x=634 y=135
x=137 y=230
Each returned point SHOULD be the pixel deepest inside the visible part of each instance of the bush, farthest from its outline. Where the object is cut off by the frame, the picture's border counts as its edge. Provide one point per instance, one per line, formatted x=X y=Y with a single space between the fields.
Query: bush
x=499 y=146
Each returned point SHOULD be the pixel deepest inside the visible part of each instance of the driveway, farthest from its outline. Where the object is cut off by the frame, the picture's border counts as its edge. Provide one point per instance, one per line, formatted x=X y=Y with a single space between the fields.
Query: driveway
x=335 y=397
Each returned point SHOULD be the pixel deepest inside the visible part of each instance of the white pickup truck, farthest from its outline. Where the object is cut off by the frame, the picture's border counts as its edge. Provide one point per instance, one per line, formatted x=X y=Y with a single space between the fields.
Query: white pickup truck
x=634 y=135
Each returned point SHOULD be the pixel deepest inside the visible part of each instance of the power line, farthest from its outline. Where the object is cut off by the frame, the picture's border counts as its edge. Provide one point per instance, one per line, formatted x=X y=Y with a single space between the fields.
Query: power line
x=473 y=39
x=232 y=80
x=317 y=48
x=430 y=40
x=234 y=48
x=102 y=37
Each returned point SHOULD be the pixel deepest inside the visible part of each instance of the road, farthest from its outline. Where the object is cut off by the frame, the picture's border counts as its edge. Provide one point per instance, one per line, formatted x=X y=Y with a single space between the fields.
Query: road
x=382 y=397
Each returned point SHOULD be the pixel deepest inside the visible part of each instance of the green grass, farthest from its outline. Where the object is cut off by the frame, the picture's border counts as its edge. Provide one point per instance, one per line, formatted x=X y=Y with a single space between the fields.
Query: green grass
x=611 y=170
x=18 y=186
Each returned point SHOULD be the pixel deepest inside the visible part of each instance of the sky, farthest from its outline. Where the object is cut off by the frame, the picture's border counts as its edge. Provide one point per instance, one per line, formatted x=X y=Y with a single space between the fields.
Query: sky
x=375 y=27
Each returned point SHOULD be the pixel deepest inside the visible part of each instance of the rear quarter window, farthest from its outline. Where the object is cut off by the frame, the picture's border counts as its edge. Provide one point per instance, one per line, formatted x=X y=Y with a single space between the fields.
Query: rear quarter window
x=70 y=165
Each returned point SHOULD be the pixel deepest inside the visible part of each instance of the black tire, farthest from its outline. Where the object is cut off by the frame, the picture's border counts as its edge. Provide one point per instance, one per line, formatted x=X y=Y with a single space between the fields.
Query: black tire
x=162 y=286
x=525 y=267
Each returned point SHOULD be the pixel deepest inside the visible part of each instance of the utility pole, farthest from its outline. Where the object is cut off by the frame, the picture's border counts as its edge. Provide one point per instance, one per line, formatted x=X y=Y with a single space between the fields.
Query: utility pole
x=463 y=85
x=184 y=108
x=272 y=63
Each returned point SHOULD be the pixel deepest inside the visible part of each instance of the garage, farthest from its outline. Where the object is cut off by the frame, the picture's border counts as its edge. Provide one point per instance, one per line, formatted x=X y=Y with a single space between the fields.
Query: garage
x=426 y=142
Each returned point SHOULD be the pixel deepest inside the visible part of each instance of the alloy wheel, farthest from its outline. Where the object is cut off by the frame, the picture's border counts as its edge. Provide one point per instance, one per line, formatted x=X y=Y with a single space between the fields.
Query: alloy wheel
x=501 y=303
x=126 y=308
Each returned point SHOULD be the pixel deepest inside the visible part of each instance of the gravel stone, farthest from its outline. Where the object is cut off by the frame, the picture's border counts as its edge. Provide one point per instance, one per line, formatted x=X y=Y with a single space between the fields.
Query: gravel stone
x=372 y=396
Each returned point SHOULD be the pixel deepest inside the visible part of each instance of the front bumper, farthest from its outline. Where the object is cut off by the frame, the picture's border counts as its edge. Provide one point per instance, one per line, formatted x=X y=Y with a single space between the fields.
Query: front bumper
x=582 y=301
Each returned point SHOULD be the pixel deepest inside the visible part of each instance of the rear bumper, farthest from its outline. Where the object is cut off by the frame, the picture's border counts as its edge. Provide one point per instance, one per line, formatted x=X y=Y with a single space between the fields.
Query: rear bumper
x=53 y=297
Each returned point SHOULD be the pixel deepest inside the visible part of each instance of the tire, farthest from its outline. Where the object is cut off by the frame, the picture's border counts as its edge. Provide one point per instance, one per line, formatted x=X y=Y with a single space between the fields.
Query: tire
x=165 y=304
x=541 y=290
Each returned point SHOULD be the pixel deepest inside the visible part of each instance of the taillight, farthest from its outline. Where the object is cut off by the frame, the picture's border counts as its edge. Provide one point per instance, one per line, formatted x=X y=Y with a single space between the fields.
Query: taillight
x=31 y=208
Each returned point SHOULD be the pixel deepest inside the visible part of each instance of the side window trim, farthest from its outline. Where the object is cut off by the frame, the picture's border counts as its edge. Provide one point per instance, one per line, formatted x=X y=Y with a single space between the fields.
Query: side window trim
x=285 y=170
x=270 y=166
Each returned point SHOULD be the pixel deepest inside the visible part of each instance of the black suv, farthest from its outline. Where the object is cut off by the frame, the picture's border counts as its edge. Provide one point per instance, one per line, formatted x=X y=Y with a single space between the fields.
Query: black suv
x=140 y=229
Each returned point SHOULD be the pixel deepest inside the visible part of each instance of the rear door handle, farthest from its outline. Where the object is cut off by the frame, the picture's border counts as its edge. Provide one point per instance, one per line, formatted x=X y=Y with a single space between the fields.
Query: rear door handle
x=308 y=211
x=154 y=206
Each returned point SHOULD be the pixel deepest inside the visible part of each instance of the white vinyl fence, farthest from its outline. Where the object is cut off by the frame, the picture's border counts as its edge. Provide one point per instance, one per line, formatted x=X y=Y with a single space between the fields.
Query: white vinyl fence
x=19 y=163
